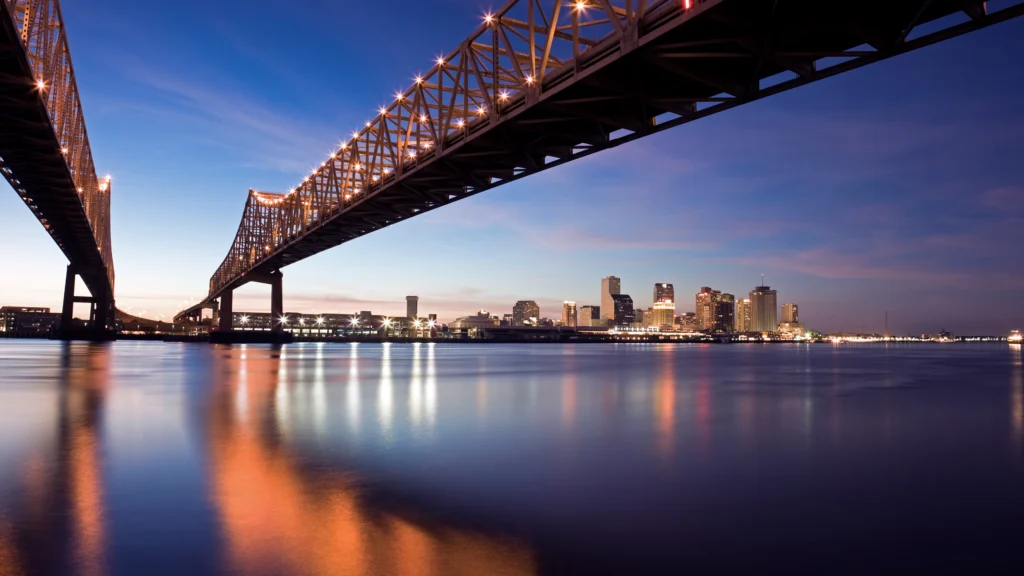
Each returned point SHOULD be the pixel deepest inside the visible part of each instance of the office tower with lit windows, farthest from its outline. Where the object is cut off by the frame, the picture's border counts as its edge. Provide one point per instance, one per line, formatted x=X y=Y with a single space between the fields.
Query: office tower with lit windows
x=664 y=292
x=622 y=307
x=706 y=307
x=790 y=313
x=412 y=306
x=610 y=286
x=525 y=312
x=742 y=315
x=725 y=313
x=569 y=314
x=664 y=309
x=763 y=309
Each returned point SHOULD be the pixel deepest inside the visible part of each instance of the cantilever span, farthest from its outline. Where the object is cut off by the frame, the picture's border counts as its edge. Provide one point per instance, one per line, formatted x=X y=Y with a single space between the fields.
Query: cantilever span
x=543 y=82
x=45 y=153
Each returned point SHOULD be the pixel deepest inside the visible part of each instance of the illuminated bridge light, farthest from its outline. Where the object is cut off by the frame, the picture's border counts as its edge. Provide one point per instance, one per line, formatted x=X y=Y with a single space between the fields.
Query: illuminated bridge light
x=440 y=61
x=488 y=18
x=529 y=78
x=40 y=84
x=581 y=6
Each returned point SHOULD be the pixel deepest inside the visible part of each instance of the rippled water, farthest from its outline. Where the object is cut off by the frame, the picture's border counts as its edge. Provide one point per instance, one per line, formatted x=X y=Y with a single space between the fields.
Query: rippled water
x=147 y=458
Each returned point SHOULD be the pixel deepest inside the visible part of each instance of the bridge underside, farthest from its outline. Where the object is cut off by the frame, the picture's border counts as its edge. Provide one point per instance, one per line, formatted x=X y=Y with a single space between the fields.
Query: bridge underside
x=33 y=162
x=728 y=53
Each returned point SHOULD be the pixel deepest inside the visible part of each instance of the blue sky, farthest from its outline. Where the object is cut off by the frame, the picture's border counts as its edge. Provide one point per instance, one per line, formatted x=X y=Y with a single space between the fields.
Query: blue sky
x=897 y=187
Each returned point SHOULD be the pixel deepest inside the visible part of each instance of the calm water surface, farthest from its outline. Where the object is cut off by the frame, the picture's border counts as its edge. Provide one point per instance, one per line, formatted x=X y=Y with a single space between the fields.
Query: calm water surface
x=152 y=458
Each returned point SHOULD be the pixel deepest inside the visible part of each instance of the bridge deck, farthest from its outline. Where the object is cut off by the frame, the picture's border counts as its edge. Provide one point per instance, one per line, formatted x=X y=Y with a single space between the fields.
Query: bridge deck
x=40 y=164
x=661 y=69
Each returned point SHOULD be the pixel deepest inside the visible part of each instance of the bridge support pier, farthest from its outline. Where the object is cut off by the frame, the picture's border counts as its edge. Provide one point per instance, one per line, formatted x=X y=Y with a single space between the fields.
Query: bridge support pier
x=224 y=323
x=276 y=301
x=101 y=323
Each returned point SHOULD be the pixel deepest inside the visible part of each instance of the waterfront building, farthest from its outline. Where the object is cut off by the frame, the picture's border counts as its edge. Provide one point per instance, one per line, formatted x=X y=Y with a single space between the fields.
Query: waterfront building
x=663 y=313
x=525 y=312
x=588 y=315
x=570 y=316
x=725 y=313
x=790 y=313
x=742 y=323
x=622 y=310
x=506 y=320
x=705 y=302
x=610 y=286
x=28 y=321
x=412 y=306
x=687 y=321
x=763 y=309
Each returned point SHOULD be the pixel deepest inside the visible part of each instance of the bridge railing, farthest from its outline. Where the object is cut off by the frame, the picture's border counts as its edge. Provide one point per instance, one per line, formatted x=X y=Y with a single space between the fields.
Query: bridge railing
x=520 y=50
x=44 y=37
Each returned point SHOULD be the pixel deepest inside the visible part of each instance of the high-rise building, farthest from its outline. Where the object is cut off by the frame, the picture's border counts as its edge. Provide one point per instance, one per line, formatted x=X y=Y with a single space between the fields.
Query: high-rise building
x=688 y=321
x=790 y=313
x=664 y=292
x=664 y=309
x=610 y=286
x=506 y=320
x=569 y=314
x=588 y=315
x=725 y=313
x=622 y=306
x=412 y=306
x=525 y=312
x=742 y=315
x=706 y=307
x=763 y=309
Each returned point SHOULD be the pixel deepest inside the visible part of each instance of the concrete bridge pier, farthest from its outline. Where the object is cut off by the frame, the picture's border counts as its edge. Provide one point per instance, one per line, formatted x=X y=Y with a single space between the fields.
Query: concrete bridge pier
x=101 y=323
x=225 y=333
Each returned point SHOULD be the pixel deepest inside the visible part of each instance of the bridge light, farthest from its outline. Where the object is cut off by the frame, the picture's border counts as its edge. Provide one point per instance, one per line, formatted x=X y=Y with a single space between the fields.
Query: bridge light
x=383 y=111
x=488 y=18
x=387 y=170
x=529 y=79
x=375 y=178
x=504 y=95
x=399 y=96
x=355 y=135
x=354 y=322
x=423 y=117
x=368 y=124
x=320 y=321
x=581 y=6
x=412 y=153
x=460 y=123
x=40 y=84
x=419 y=79
x=64 y=150
x=480 y=110
x=440 y=62
x=387 y=322
x=357 y=167
x=283 y=320
x=687 y=4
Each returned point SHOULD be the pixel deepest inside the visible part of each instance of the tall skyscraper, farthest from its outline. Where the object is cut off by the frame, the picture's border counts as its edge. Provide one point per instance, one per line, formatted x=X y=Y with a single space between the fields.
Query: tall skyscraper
x=569 y=315
x=706 y=307
x=610 y=286
x=412 y=306
x=764 y=309
x=790 y=313
x=742 y=315
x=622 y=306
x=525 y=312
x=664 y=309
x=725 y=313
x=664 y=292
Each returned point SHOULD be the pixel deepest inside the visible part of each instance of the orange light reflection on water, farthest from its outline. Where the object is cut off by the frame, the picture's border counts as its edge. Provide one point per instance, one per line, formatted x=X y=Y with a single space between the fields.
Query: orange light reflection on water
x=277 y=518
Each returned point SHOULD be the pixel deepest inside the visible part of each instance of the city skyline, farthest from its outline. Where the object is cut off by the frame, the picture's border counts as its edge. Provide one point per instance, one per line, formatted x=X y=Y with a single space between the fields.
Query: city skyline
x=855 y=202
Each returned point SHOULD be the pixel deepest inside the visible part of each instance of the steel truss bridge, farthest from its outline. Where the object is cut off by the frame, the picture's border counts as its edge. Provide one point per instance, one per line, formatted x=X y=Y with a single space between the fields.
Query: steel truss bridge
x=543 y=82
x=45 y=154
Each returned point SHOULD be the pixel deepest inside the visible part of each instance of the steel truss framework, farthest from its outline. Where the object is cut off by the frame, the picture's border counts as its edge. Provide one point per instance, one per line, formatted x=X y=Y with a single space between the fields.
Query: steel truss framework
x=543 y=82
x=44 y=146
